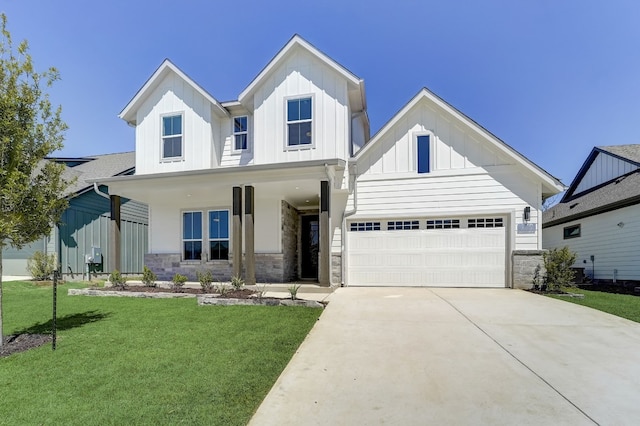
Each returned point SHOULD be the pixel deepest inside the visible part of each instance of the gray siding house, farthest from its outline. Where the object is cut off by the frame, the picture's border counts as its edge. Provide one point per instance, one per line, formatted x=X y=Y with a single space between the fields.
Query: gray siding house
x=87 y=222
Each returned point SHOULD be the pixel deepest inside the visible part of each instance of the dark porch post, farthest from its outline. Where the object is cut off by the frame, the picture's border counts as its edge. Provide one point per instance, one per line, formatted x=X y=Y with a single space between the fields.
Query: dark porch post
x=249 y=242
x=114 y=240
x=324 y=257
x=237 y=231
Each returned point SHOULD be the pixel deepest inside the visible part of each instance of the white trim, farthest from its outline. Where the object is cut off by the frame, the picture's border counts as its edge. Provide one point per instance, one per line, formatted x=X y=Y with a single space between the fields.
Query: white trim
x=182 y=239
x=229 y=228
x=164 y=159
x=248 y=132
x=313 y=120
x=205 y=232
x=414 y=151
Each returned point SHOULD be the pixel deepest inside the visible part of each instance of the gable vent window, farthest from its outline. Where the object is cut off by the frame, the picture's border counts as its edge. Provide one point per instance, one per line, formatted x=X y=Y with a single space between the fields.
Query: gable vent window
x=171 y=137
x=485 y=223
x=403 y=225
x=443 y=224
x=299 y=122
x=365 y=226
x=423 y=154
x=571 y=232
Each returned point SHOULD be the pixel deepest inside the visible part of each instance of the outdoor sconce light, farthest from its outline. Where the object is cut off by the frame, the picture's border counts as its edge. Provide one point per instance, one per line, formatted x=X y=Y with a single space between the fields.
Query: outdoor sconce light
x=621 y=225
x=526 y=214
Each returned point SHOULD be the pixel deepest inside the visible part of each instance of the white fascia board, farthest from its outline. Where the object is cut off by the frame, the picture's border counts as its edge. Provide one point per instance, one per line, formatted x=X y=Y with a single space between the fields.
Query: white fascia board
x=128 y=113
x=294 y=42
x=549 y=181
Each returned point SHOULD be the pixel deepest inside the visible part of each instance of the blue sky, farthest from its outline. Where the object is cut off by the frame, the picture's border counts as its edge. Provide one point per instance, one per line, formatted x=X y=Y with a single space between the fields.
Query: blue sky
x=552 y=78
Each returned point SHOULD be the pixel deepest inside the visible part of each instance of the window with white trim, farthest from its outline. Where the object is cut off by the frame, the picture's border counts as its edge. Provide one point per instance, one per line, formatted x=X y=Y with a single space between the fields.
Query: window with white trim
x=443 y=224
x=192 y=235
x=398 y=225
x=364 y=226
x=490 y=222
x=299 y=122
x=172 y=136
x=218 y=234
x=423 y=153
x=241 y=133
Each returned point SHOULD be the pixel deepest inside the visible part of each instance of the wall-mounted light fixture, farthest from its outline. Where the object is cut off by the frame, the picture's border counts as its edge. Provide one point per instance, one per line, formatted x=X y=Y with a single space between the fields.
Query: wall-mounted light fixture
x=526 y=214
x=620 y=224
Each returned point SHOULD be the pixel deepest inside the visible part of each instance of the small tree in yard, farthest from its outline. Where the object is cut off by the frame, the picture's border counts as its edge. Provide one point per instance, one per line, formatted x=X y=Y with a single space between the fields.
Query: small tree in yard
x=558 y=262
x=31 y=190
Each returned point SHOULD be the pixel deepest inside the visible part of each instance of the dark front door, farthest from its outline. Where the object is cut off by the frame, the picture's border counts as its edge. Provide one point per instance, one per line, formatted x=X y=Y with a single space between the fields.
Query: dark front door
x=309 y=247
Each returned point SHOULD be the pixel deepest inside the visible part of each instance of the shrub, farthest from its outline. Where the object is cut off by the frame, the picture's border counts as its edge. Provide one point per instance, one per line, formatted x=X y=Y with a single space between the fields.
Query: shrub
x=178 y=281
x=237 y=282
x=117 y=280
x=148 y=277
x=222 y=289
x=558 y=264
x=205 y=278
x=293 y=291
x=41 y=266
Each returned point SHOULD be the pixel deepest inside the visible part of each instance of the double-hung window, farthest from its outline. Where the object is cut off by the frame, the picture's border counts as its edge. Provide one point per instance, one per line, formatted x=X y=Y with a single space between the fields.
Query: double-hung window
x=299 y=122
x=192 y=235
x=171 y=137
x=422 y=153
x=241 y=133
x=218 y=234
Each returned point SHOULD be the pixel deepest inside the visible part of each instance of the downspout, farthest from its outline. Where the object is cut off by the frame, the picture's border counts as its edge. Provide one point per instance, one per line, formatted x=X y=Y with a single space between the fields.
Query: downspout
x=327 y=170
x=95 y=188
x=345 y=215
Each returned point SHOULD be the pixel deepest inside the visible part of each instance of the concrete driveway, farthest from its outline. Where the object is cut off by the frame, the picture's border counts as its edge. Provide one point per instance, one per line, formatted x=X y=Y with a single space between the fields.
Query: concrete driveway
x=417 y=356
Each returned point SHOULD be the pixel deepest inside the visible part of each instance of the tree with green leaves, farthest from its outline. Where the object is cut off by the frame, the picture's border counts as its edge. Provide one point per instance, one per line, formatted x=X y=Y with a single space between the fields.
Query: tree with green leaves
x=31 y=188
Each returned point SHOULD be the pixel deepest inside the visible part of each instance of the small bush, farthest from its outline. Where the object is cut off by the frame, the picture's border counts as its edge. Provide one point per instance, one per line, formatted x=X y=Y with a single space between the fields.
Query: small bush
x=41 y=266
x=148 y=277
x=558 y=264
x=205 y=278
x=222 y=289
x=178 y=281
x=117 y=280
x=237 y=282
x=261 y=289
x=293 y=291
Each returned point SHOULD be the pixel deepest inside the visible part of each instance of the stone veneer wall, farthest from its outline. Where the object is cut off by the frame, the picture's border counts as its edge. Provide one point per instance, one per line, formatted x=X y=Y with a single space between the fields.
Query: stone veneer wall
x=290 y=232
x=336 y=269
x=523 y=267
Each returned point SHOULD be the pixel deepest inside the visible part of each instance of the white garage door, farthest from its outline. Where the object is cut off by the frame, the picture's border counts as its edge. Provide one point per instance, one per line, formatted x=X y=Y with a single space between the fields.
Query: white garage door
x=459 y=252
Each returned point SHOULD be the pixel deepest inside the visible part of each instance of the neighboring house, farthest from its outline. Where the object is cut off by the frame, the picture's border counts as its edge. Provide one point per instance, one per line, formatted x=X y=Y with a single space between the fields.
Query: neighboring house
x=86 y=223
x=599 y=215
x=285 y=184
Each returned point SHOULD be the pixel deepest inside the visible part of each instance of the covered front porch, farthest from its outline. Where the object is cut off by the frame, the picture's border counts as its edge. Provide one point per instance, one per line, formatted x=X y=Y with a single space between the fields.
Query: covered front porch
x=264 y=223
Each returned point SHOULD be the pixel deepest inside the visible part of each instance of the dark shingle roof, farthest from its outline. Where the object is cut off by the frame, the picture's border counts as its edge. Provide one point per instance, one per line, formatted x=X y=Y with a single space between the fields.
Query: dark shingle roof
x=630 y=152
x=97 y=166
x=622 y=191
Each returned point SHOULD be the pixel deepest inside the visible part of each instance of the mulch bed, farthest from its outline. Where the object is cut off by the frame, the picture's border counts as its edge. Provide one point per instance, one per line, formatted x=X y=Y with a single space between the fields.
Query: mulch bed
x=23 y=342
x=611 y=288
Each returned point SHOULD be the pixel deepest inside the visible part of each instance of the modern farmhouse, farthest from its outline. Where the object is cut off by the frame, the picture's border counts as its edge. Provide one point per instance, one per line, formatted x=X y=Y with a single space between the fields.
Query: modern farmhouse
x=285 y=183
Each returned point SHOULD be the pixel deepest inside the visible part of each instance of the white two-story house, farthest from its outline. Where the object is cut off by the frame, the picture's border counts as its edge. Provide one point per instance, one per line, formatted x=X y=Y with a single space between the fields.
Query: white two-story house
x=286 y=184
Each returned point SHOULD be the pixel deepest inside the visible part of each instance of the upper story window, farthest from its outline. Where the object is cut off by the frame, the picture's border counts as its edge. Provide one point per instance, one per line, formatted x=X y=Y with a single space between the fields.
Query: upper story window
x=423 y=153
x=240 y=133
x=171 y=137
x=572 y=231
x=299 y=122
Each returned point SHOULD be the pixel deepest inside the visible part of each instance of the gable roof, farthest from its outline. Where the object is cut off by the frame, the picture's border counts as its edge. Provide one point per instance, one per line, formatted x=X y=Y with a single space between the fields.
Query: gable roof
x=166 y=67
x=551 y=183
x=297 y=42
x=96 y=166
x=628 y=153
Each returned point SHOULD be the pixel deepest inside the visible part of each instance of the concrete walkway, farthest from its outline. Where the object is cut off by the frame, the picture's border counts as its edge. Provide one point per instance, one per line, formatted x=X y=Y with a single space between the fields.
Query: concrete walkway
x=416 y=356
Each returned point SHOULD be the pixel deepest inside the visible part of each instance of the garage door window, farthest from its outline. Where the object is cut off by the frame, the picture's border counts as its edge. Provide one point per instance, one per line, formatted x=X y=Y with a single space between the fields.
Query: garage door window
x=443 y=224
x=399 y=225
x=485 y=223
x=365 y=226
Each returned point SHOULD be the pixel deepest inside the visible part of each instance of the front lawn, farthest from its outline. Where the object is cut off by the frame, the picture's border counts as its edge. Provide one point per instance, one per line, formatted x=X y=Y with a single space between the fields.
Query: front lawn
x=142 y=361
x=622 y=305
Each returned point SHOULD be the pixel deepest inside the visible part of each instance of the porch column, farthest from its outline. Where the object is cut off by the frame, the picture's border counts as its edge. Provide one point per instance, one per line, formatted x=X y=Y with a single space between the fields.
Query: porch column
x=114 y=237
x=249 y=242
x=324 y=256
x=237 y=231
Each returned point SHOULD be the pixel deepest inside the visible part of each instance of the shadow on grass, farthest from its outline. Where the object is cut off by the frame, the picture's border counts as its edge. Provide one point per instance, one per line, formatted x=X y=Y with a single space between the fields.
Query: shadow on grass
x=66 y=322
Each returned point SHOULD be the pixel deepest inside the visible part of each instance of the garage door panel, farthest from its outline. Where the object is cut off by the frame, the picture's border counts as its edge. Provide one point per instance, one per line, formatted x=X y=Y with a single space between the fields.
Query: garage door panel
x=443 y=258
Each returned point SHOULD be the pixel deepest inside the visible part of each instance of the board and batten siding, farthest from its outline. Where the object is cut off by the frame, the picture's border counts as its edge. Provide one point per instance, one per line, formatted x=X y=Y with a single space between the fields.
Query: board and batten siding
x=603 y=169
x=613 y=246
x=200 y=128
x=302 y=75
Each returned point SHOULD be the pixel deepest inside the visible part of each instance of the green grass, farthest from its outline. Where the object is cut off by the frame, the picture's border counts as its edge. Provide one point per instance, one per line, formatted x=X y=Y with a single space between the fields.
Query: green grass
x=143 y=361
x=622 y=305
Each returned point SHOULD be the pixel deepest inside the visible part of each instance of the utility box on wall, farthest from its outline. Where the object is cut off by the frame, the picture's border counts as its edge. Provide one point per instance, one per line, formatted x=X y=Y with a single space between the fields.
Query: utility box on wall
x=94 y=260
